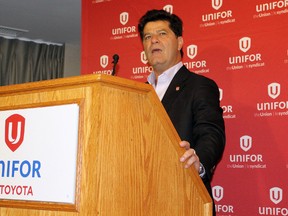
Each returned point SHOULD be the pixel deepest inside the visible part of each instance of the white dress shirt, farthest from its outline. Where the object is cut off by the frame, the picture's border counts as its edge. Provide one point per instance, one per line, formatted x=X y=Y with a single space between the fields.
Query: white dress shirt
x=164 y=79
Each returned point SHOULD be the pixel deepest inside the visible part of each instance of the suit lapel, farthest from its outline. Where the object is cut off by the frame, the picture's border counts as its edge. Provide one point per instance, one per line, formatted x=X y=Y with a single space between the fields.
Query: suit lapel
x=175 y=88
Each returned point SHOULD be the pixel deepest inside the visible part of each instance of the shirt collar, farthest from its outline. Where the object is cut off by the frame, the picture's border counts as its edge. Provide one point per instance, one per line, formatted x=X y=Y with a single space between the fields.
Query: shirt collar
x=167 y=75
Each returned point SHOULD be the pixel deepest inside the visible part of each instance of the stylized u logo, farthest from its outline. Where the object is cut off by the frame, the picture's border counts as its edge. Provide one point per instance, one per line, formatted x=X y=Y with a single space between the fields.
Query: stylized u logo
x=192 y=51
x=276 y=195
x=274 y=90
x=168 y=8
x=245 y=44
x=124 y=17
x=143 y=57
x=14 y=131
x=217 y=4
x=220 y=94
x=104 y=61
x=246 y=142
x=218 y=193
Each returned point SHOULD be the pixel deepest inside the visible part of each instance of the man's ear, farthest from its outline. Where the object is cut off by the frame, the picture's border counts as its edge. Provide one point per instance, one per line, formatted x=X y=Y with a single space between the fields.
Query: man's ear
x=180 y=42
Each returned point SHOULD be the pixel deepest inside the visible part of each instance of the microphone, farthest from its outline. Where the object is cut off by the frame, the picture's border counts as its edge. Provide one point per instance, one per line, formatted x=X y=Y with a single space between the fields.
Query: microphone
x=115 y=61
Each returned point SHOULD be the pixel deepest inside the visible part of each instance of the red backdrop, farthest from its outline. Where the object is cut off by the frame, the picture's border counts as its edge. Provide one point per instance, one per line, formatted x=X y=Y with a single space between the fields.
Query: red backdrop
x=243 y=46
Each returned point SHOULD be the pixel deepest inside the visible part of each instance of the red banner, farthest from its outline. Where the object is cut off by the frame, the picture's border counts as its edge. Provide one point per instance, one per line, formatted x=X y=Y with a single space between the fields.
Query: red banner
x=243 y=46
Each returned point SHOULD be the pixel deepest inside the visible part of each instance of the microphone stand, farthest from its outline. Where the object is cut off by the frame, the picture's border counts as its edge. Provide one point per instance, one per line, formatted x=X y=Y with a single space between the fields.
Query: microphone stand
x=115 y=61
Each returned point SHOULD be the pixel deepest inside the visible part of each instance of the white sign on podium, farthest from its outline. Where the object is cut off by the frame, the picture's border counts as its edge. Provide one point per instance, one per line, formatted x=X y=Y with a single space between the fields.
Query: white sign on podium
x=38 y=153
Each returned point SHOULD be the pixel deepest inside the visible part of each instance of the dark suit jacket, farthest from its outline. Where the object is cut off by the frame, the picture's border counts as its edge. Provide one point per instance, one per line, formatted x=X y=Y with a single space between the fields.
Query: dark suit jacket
x=192 y=103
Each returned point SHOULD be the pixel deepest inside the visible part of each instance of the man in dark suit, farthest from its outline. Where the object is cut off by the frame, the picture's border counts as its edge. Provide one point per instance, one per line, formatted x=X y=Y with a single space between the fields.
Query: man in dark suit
x=191 y=100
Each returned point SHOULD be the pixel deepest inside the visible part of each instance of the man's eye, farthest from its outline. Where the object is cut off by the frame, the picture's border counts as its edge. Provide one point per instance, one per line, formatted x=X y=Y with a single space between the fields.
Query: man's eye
x=162 y=33
x=147 y=37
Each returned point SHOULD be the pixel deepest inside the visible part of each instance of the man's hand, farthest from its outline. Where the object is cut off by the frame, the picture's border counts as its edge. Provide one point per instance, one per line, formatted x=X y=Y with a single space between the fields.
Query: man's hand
x=189 y=157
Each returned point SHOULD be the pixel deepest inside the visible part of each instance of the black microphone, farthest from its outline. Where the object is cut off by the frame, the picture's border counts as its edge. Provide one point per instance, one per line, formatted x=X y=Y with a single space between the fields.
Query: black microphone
x=115 y=61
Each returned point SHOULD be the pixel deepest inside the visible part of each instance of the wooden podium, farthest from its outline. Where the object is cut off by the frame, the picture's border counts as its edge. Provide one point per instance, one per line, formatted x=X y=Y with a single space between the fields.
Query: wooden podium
x=128 y=151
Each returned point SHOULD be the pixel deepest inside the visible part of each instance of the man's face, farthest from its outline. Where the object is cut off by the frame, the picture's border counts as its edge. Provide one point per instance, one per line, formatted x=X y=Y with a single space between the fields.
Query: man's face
x=161 y=46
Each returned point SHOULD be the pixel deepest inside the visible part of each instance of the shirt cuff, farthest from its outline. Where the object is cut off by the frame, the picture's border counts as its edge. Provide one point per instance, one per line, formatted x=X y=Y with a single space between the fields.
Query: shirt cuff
x=202 y=171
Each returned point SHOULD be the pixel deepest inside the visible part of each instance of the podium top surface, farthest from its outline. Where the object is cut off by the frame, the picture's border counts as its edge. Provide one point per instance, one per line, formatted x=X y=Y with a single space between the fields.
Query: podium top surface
x=74 y=81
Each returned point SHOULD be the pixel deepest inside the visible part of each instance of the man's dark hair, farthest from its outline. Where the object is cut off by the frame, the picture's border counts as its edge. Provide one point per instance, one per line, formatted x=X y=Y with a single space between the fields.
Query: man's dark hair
x=175 y=23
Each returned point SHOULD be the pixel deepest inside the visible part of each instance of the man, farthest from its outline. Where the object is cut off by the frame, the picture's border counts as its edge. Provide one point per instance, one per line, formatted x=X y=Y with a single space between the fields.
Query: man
x=191 y=100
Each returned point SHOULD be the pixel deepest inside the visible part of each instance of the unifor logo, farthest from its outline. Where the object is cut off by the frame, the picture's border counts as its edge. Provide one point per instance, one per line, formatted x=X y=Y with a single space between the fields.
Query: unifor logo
x=168 y=8
x=274 y=90
x=217 y=4
x=245 y=44
x=143 y=57
x=276 y=195
x=124 y=17
x=245 y=142
x=104 y=61
x=218 y=193
x=14 y=131
x=220 y=94
x=192 y=51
